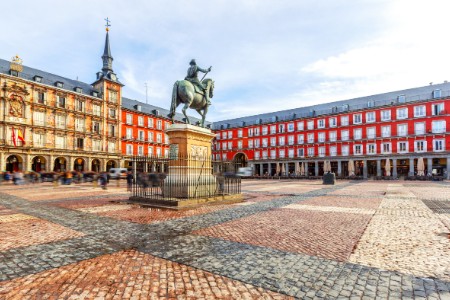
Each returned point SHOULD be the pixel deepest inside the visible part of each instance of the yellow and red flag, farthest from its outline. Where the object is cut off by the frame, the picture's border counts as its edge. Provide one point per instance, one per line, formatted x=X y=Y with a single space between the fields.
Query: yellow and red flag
x=20 y=136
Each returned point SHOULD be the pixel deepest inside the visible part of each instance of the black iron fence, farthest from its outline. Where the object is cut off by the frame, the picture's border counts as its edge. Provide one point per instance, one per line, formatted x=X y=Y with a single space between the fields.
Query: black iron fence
x=183 y=178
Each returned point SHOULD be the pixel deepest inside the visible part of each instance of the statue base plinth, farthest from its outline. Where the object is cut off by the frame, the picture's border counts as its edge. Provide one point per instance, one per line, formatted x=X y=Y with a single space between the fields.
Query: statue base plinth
x=190 y=169
x=190 y=186
x=179 y=204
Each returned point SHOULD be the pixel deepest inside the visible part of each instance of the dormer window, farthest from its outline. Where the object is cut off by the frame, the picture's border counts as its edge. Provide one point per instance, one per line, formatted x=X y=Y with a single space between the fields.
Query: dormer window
x=156 y=112
x=94 y=93
x=401 y=99
x=14 y=73
x=78 y=90
x=38 y=78
x=59 y=84
x=437 y=94
x=138 y=107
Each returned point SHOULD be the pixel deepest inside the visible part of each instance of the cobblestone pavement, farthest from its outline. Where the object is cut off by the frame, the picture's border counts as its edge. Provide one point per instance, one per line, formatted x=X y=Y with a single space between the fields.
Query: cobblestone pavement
x=300 y=239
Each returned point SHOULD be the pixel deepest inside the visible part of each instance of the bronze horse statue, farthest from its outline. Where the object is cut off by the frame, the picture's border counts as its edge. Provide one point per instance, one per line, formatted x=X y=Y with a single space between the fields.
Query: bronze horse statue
x=184 y=92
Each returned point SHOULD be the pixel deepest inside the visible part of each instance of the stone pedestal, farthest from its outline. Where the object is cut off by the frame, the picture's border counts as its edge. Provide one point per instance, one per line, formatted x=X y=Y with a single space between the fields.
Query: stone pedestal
x=329 y=178
x=190 y=169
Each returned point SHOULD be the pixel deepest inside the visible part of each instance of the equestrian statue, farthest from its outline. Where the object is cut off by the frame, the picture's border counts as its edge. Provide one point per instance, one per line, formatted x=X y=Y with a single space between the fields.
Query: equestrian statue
x=194 y=93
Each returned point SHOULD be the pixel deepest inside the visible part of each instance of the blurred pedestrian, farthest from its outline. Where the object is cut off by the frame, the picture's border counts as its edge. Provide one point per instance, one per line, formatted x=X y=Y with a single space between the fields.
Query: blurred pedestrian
x=103 y=179
x=7 y=176
x=129 y=181
x=68 y=177
x=18 y=178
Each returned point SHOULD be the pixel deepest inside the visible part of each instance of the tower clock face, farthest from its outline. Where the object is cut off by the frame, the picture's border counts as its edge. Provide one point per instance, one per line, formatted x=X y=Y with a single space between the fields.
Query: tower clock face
x=113 y=77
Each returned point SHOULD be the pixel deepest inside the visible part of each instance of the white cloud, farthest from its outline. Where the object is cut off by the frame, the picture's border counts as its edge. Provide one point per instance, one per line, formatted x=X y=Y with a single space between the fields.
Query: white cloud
x=266 y=55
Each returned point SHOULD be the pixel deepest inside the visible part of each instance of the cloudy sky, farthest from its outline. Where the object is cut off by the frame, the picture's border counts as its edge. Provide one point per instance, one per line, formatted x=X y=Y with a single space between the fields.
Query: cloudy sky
x=266 y=55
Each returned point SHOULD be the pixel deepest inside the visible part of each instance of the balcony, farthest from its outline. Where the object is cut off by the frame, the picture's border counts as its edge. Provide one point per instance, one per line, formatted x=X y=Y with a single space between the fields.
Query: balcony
x=438 y=130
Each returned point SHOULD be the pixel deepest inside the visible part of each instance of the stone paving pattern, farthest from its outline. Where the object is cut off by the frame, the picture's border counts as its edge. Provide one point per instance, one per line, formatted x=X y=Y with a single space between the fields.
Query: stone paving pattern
x=326 y=234
x=414 y=245
x=21 y=230
x=139 y=257
x=130 y=275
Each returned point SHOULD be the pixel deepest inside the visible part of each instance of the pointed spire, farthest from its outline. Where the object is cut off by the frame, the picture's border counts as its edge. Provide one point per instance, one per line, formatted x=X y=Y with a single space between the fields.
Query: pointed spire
x=107 y=71
x=106 y=57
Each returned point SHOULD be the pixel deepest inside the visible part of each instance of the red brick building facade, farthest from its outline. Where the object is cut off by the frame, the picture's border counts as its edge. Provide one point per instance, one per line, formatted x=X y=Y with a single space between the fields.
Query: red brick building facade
x=400 y=126
x=143 y=129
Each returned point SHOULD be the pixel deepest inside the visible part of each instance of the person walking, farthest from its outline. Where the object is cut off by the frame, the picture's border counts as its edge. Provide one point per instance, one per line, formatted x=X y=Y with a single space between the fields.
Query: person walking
x=68 y=177
x=129 y=181
x=103 y=180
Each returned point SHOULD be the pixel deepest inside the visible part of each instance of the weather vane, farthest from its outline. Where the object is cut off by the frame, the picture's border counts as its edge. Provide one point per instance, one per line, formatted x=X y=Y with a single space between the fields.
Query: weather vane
x=107 y=24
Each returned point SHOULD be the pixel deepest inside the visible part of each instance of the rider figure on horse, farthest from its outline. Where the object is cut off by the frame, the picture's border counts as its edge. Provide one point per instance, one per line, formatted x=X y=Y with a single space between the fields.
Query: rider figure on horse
x=192 y=76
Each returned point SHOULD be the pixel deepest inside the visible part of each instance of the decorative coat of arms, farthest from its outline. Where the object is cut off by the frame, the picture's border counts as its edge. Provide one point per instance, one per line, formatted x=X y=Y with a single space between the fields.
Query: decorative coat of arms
x=15 y=106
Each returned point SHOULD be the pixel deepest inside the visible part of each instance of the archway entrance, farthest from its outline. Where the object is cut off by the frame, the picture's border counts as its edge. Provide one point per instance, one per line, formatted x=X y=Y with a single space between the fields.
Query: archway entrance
x=13 y=163
x=78 y=165
x=240 y=161
x=110 y=164
x=371 y=168
x=38 y=164
x=359 y=166
x=60 y=165
x=95 y=165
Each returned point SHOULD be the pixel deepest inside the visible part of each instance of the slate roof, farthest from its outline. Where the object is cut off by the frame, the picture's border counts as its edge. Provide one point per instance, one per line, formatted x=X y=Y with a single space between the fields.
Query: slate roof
x=413 y=94
x=70 y=84
x=49 y=78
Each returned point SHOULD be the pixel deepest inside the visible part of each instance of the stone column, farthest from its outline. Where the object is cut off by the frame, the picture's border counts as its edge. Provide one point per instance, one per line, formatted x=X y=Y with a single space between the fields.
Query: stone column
x=411 y=167
x=448 y=167
x=269 y=169
x=378 y=167
x=26 y=165
x=261 y=170
x=87 y=163
x=316 y=168
x=3 y=161
x=429 y=165
x=339 y=168
x=365 y=169
x=50 y=163
x=103 y=165
x=394 y=167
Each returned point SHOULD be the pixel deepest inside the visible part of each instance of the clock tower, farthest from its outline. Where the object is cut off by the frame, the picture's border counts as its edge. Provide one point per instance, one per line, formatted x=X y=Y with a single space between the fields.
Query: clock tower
x=111 y=91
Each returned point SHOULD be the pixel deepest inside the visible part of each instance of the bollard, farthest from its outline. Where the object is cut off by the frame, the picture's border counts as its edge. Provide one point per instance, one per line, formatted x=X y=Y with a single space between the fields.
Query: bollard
x=55 y=184
x=118 y=182
x=95 y=182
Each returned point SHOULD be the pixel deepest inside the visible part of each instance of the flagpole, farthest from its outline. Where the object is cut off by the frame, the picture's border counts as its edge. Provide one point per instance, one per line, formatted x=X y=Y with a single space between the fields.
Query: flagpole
x=13 y=136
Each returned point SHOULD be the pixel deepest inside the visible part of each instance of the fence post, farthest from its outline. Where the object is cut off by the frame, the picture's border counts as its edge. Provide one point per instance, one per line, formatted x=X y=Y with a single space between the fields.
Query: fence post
x=133 y=189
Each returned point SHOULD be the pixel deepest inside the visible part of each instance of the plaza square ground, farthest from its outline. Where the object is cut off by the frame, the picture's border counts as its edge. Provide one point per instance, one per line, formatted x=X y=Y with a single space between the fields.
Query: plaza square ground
x=289 y=239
